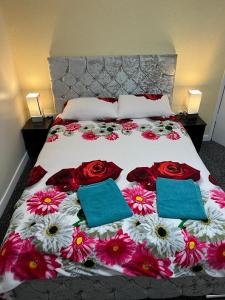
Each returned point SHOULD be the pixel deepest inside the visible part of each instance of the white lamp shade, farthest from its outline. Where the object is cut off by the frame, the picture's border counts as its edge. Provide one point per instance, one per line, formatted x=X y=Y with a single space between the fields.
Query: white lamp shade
x=193 y=101
x=33 y=104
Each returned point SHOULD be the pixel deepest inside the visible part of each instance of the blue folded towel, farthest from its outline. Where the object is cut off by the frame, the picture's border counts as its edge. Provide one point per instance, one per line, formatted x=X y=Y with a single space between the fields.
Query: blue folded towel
x=103 y=203
x=179 y=199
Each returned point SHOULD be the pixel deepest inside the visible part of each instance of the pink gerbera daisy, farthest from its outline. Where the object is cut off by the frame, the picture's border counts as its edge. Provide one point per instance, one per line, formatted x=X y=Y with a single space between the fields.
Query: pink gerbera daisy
x=9 y=251
x=150 y=135
x=173 y=135
x=216 y=255
x=112 y=137
x=145 y=263
x=90 y=136
x=129 y=125
x=73 y=126
x=139 y=199
x=52 y=138
x=219 y=197
x=80 y=248
x=115 y=250
x=45 y=202
x=34 y=264
x=193 y=252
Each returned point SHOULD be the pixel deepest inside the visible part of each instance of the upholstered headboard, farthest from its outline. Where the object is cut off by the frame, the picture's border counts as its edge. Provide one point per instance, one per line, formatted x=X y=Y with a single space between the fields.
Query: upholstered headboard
x=110 y=76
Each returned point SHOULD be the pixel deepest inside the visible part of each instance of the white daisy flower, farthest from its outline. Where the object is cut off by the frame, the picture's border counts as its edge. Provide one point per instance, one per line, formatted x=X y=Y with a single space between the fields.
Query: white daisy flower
x=103 y=231
x=86 y=128
x=126 y=132
x=162 y=235
x=27 y=228
x=195 y=270
x=70 y=205
x=170 y=125
x=68 y=133
x=131 y=226
x=114 y=126
x=53 y=232
x=144 y=127
x=210 y=230
x=161 y=131
x=101 y=131
x=57 y=129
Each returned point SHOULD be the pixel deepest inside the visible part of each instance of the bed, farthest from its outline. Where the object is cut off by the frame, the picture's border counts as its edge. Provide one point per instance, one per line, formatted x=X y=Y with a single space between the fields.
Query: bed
x=183 y=258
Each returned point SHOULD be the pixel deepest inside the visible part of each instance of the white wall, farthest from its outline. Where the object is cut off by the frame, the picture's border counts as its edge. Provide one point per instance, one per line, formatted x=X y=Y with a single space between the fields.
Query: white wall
x=12 y=118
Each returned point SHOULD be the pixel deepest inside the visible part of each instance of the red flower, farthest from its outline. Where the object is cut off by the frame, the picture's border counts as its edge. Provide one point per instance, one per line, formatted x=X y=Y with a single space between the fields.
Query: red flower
x=150 y=96
x=216 y=255
x=9 y=252
x=129 y=125
x=90 y=136
x=52 y=138
x=112 y=137
x=33 y=264
x=45 y=202
x=174 y=170
x=58 y=121
x=213 y=180
x=35 y=175
x=173 y=135
x=111 y=100
x=150 y=135
x=66 y=180
x=96 y=171
x=145 y=263
x=144 y=176
x=73 y=126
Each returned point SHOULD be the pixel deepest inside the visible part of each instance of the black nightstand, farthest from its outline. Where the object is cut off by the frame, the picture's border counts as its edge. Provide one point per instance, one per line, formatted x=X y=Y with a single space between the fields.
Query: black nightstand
x=34 y=135
x=195 y=127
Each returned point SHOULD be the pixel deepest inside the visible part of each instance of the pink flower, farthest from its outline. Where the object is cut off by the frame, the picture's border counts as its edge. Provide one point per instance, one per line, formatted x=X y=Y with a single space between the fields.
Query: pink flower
x=115 y=250
x=112 y=137
x=129 y=125
x=45 y=202
x=150 y=135
x=52 y=138
x=81 y=246
x=9 y=252
x=173 y=135
x=219 y=197
x=90 y=136
x=73 y=126
x=216 y=255
x=34 y=264
x=193 y=252
x=145 y=263
x=139 y=199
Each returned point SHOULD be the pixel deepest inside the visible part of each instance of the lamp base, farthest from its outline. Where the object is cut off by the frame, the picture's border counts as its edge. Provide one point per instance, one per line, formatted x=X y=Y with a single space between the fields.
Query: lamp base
x=37 y=119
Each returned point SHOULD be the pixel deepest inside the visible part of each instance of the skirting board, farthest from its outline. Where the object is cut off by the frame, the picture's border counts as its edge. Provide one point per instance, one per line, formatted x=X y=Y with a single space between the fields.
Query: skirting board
x=8 y=193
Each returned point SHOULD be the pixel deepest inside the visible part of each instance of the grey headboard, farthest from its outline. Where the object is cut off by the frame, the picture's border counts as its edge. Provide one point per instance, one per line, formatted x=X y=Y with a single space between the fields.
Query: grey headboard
x=110 y=76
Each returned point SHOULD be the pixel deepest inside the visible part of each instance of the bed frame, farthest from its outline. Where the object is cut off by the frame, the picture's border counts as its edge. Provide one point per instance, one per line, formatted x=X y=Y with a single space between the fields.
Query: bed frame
x=110 y=76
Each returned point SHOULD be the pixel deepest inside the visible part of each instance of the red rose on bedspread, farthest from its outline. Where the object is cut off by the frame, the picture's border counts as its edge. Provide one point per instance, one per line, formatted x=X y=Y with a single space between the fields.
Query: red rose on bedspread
x=167 y=169
x=174 y=170
x=110 y=100
x=96 y=171
x=144 y=176
x=35 y=175
x=66 y=180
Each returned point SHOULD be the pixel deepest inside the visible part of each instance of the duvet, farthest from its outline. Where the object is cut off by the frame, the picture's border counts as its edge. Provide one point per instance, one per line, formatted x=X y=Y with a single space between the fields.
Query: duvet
x=48 y=235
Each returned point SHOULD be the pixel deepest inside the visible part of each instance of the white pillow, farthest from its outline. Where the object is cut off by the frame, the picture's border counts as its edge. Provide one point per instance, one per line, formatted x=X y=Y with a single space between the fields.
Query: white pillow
x=85 y=109
x=141 y=106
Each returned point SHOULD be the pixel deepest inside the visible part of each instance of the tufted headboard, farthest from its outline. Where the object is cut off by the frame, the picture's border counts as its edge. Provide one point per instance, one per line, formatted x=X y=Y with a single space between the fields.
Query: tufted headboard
x=110 y=76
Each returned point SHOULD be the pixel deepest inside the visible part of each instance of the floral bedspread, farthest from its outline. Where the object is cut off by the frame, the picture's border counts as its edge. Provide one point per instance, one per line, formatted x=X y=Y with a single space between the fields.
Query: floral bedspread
x=48 y=235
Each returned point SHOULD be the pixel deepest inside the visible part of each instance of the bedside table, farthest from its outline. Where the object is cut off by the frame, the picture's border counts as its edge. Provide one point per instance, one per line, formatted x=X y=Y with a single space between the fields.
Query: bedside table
x=34 y=135
x=195 y=128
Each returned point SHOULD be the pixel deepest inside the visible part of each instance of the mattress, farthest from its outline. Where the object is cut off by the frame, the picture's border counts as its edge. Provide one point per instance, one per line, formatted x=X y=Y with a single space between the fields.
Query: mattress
x=164 y=249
